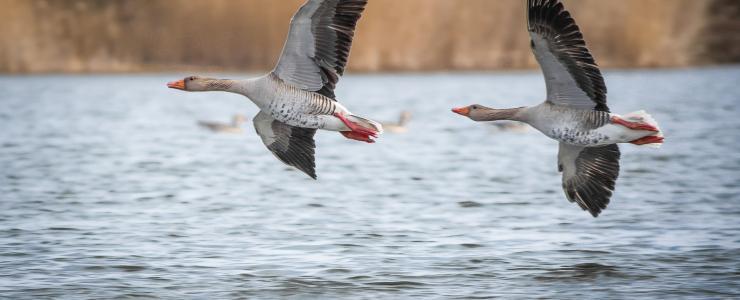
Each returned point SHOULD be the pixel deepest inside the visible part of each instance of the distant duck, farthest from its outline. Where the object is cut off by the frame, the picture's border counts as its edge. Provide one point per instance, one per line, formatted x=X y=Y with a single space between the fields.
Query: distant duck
x=297 y=97
x=510 y=126
x=575 y=112
x=399 y=127
x=235 y=127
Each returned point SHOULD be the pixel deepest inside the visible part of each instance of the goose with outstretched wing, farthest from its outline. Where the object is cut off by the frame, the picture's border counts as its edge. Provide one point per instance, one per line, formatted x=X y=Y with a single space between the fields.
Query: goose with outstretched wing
x=297 y=98
x=575 y=112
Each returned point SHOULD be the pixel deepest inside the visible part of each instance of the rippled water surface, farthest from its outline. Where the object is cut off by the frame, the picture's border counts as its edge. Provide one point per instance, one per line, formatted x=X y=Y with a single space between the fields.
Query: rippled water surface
x=108 y=189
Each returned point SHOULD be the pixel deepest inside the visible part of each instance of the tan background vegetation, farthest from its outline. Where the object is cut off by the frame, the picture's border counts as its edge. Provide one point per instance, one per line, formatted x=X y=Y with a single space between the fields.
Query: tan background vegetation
x=394 y=35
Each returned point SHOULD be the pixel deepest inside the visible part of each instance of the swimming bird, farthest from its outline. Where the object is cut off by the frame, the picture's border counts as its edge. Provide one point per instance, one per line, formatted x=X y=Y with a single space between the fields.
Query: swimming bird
x=510 y=126
x=575 y=112
x=400 y=126
x=297 y=97
x=234 y=127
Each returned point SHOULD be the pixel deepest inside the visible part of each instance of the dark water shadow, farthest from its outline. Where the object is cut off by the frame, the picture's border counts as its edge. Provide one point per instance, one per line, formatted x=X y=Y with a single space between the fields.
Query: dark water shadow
x=584 y=272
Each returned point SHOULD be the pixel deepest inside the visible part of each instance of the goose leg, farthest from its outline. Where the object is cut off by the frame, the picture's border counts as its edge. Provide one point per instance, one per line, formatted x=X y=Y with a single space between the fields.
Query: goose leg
x=357 y=129
x=357 y=136
x=653 y=139
x=634 y=125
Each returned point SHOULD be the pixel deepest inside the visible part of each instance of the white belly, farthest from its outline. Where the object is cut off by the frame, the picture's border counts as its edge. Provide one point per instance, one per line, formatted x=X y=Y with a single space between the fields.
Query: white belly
x=605 y=135
x=620 y=134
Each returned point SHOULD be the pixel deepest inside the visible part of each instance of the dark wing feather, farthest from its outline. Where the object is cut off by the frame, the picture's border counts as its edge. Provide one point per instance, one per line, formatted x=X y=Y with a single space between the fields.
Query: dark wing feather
x=318 y=45
x=293 y=146
x=589 y=175
x=572 y=76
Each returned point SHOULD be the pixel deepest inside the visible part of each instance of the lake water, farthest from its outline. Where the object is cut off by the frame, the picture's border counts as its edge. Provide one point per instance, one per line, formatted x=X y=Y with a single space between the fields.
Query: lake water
x=109 y=189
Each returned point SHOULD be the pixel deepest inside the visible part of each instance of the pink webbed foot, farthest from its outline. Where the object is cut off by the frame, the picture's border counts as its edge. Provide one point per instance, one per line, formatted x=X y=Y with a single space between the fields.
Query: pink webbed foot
x=357 y=136
x=648 y=140
x=357 y=130
x=634 y=125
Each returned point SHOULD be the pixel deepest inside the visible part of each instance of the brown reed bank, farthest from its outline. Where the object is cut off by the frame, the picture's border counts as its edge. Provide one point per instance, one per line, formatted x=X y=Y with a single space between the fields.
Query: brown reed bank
x=394 y=35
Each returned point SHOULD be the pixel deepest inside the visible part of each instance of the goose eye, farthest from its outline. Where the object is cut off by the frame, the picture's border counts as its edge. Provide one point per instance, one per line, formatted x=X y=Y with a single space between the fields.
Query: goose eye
x=191 y=78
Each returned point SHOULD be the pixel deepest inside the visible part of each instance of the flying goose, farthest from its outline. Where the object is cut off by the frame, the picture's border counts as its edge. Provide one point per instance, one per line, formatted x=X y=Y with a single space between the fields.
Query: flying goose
x=575 y=112
x=234 y=127
x=297 y=97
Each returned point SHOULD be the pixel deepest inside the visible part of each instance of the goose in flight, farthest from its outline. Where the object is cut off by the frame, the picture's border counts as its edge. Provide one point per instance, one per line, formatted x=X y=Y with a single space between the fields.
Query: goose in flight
x=575 y=112
x=297 y=97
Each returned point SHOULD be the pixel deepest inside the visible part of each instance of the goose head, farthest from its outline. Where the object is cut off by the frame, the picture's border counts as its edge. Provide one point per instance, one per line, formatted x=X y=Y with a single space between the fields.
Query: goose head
x=192 y=84
x=404 y=118
x=477 y=112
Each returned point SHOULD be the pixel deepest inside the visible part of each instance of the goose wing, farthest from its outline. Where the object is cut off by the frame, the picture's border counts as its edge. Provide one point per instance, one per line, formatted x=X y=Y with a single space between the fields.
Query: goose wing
x=293 y=146
x=572 y=77
x=318 y=45
x=589 y=174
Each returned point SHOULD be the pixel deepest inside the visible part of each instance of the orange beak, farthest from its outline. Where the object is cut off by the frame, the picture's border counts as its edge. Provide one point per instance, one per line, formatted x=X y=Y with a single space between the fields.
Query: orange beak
x=180 y=85
x=464 y=111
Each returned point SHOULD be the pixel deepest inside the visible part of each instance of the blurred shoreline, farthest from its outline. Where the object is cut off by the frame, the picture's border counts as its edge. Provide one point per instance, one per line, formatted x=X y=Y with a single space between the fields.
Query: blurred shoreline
x=155 y=36
x=252 y=73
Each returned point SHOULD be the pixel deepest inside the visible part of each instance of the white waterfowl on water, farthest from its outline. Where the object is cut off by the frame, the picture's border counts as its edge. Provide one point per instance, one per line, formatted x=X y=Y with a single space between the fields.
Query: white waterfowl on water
x=297 y=97
x=575 y=112
x=509 y=126
x=400 y=126
x=234 y=127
